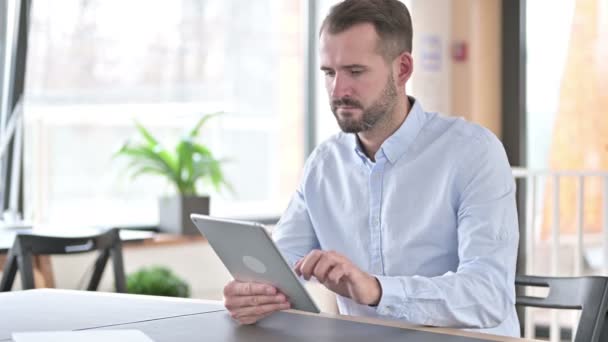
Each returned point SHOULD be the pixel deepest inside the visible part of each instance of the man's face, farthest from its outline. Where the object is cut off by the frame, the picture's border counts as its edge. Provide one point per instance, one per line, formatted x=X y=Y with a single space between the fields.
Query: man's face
x=358 y=80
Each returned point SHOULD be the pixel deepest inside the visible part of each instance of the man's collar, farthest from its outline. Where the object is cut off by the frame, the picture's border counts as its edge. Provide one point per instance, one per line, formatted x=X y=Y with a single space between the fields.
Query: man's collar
x=398 y=143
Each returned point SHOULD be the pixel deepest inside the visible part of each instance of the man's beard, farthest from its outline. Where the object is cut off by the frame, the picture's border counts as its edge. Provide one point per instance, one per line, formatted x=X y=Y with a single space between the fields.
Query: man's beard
x=371 y=115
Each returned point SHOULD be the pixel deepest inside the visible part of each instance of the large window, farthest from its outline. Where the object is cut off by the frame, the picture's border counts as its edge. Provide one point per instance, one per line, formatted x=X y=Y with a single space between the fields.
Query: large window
x=567 y=104
x=95 y=65
x=546 y=50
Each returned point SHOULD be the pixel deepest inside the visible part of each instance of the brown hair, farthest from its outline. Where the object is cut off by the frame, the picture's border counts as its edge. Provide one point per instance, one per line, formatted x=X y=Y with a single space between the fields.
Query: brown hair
x=390 y=18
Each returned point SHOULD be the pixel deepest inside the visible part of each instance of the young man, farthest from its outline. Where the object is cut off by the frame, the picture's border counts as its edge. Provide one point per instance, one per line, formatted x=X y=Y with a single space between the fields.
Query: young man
x=406 y=214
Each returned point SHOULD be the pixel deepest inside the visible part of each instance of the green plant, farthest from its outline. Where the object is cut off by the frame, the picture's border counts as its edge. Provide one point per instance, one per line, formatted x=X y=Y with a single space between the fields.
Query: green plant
x=157 y=281
x=187 y=164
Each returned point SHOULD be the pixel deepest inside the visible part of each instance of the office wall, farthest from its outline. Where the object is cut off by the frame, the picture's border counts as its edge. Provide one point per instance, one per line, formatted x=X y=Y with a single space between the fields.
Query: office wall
x=466 y=82
x=431 y=81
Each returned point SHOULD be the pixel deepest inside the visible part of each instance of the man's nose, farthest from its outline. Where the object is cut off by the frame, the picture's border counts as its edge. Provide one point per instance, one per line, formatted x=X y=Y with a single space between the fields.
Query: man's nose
x=340 y=87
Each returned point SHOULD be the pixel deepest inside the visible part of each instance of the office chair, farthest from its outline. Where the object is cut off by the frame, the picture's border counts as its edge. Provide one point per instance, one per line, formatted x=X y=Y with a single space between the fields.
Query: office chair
x=588 y=294
x=27 y=245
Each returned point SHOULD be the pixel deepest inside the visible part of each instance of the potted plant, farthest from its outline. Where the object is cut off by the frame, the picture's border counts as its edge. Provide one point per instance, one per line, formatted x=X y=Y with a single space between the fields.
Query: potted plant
x=157 y=281
x=186 y=166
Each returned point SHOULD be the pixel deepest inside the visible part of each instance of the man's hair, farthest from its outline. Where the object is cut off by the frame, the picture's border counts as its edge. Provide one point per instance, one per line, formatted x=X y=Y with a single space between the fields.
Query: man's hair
x=390 y=18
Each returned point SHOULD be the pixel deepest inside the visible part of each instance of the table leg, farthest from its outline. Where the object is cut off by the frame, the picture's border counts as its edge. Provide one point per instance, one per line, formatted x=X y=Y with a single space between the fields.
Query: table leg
x=43 y=272
x=2 y=261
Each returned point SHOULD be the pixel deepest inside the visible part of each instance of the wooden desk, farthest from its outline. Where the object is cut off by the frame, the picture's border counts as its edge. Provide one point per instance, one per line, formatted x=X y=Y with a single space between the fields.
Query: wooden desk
x=7 y=236
x=163 y=239
x=169 y=319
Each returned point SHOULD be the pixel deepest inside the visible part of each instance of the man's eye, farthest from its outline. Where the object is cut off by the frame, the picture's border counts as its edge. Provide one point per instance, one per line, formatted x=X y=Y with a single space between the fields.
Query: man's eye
x=356 y=72
x=329 y=73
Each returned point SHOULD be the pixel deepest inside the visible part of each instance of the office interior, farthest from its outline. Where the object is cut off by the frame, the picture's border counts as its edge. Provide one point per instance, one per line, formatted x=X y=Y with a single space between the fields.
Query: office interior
x=79 y=76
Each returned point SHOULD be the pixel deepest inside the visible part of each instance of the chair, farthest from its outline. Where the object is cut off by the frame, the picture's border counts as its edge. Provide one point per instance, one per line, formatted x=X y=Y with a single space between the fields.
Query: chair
x=588 y=294
x=26 y=246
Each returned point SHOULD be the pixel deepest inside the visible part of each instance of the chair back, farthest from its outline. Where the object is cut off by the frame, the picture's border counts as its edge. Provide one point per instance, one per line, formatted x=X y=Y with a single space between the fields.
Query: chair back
x=28 y=245
x=588 y=294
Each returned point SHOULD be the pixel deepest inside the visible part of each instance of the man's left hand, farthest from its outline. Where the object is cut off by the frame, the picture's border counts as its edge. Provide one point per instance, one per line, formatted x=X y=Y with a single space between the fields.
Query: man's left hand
x=340 y=275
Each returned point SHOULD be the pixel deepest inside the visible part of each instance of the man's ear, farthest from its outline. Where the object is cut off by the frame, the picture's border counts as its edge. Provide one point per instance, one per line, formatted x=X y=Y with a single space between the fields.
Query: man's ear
x=404 y=68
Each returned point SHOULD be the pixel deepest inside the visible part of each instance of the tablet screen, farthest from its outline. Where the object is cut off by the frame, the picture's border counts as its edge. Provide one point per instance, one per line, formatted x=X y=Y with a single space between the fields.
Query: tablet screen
x=250 y=255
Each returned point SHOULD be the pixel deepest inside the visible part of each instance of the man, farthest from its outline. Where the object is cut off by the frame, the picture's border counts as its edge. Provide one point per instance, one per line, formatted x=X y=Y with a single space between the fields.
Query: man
x=406 y=214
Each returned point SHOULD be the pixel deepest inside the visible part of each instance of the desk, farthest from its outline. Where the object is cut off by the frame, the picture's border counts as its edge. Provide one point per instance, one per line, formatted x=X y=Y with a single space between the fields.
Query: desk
x=7 y=236
x=169 y=319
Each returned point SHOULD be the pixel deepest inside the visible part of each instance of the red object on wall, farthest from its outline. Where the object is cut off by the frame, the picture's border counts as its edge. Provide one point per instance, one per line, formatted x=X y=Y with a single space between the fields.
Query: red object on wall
x=459 y=51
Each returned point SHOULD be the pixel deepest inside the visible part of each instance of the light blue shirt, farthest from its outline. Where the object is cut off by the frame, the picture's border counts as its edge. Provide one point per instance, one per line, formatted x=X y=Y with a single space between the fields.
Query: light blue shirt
x=434 y=219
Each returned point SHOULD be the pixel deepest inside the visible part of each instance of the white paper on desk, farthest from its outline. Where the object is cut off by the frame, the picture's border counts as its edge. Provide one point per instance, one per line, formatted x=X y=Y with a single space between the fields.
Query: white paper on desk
x=85 y=335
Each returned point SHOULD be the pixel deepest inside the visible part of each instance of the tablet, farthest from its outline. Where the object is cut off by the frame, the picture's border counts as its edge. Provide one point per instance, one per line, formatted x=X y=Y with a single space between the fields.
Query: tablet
x=250 y=255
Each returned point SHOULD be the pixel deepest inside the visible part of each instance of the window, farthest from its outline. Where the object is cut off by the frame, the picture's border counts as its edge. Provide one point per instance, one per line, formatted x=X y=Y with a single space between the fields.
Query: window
x=94 y=65
x=567 y=68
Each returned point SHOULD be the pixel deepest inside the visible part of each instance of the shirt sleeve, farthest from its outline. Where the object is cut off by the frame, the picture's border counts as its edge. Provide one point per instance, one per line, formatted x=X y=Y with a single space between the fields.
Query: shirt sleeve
x=294 y=234
x=481 y=292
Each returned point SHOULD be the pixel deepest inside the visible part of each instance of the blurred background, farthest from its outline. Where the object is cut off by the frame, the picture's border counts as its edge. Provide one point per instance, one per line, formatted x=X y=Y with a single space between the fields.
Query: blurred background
x=534 y=72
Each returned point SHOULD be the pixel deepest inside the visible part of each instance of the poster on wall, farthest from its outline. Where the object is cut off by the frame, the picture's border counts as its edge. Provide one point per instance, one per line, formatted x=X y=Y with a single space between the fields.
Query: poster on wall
x=431 y=79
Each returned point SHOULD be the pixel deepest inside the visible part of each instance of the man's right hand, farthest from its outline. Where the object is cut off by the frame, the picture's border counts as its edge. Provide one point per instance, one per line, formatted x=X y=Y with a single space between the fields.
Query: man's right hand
x=250 y=302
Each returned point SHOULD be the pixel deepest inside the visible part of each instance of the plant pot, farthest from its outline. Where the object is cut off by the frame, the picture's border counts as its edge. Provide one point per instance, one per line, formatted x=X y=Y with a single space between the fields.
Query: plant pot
x=175 y=213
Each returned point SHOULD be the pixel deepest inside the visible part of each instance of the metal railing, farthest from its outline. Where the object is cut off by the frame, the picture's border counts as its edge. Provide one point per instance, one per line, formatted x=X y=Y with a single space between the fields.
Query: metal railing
x=534 y=181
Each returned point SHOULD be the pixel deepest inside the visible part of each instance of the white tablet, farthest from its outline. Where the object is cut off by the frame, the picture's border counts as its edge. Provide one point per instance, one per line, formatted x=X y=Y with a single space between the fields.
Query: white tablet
x=248 y=252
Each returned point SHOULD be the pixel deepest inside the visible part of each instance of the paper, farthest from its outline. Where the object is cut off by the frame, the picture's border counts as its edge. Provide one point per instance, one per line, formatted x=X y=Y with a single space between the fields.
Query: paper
x=85 y=335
